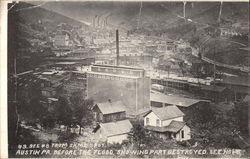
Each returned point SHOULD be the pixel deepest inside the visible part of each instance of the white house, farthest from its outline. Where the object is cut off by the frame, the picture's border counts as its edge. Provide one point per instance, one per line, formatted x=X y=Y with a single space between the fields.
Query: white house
x=167 y=123
x=113 y=132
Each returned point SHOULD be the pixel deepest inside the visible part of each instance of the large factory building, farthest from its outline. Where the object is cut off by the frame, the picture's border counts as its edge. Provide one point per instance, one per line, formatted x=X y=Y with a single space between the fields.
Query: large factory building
x=119 y=83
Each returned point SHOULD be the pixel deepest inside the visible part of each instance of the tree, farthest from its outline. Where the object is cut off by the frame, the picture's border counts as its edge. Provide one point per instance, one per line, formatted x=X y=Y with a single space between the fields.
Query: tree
x=63 y=112
x=36 y=108
x=239 y=117
x=138 y=136
x=81 y=112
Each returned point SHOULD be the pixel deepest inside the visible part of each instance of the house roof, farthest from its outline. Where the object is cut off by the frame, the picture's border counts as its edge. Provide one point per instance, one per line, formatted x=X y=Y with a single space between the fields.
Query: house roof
x=168 y=112
x=174 y=126
x=173 y=100
x=111 y=107
x=116 y=128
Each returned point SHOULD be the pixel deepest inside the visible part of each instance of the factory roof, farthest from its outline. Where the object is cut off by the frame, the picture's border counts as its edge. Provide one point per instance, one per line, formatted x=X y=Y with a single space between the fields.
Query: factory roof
x=123 y=67
x=115 y=75
x=173 y=100
x=66 y=63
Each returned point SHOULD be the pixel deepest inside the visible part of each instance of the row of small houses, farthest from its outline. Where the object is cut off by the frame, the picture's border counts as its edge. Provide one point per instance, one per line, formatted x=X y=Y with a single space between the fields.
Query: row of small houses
x=114 y=127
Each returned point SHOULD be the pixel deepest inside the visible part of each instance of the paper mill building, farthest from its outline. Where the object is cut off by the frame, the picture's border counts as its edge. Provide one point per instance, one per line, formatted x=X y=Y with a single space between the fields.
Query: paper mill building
x=119 y=83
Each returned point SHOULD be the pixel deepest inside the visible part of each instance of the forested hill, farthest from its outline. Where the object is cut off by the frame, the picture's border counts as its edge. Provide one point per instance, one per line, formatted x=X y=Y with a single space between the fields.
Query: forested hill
x=30 y=29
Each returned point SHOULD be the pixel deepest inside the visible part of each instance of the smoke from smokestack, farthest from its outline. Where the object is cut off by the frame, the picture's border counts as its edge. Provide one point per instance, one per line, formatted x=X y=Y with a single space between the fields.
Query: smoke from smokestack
x=94 y=20
x=98 y=20
x=106 y=23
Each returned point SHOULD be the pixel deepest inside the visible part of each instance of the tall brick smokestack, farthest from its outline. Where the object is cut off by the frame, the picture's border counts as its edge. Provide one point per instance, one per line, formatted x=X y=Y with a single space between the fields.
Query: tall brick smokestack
x=117 y=47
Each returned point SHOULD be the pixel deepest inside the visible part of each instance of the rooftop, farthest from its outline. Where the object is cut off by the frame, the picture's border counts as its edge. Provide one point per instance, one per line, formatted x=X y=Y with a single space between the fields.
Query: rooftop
x=123 y=67
x=174 y=126
x=66 y=63
x=110 y=74
x=111 y=107
x=173 y=100
x=166 y=113
x=116 y=128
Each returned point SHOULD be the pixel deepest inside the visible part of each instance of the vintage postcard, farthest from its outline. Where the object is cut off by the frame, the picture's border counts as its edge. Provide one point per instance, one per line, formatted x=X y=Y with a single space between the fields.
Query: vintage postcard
x=125 y=79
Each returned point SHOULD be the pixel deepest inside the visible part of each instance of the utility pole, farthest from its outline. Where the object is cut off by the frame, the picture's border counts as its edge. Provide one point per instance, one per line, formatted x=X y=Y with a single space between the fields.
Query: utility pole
x=184 y=10
x=15 y=96
x=220 y=12
x=214 y=71
x=214 y=66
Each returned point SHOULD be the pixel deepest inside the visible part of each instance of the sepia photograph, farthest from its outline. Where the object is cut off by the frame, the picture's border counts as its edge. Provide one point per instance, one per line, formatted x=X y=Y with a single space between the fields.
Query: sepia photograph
x=127 y=79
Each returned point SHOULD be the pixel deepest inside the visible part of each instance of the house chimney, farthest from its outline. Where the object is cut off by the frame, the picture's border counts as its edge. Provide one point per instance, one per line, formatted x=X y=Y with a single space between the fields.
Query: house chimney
x=117 y=47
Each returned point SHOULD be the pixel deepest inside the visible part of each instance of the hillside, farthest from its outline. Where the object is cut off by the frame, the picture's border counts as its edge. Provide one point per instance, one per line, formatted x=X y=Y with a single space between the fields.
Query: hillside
x=32 y=15
x=155 y=16
x=37 y=24
x=29 y=32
